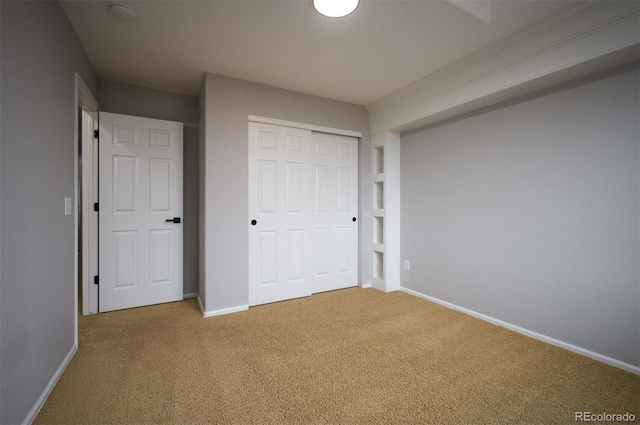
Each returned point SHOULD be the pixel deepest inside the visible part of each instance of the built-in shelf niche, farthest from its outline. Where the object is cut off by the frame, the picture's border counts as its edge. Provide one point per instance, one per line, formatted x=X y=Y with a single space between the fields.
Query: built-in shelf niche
x=385 y=215
x=378 y=160
x=378 y=265
x=378 y=230
x=378 y=195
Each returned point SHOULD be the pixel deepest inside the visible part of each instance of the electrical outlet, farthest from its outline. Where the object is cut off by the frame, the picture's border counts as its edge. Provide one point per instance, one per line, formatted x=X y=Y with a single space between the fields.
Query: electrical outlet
x=407 y=266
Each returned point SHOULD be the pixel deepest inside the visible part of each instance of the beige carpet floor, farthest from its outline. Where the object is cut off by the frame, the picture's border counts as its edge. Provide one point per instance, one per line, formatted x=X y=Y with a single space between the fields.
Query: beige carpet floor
x=343 y=357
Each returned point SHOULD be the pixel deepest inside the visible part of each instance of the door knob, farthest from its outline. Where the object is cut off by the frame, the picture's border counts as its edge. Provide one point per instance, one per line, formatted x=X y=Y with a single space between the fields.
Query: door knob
x=253 y=222
x=173 y=220
x=353 y=219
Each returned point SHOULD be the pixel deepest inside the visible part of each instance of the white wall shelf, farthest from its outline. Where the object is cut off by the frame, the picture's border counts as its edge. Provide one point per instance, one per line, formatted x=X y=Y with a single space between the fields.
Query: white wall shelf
x=385 y=229
x=378 y=195
x=377 y=236
x=378 y=266
x=378 y=160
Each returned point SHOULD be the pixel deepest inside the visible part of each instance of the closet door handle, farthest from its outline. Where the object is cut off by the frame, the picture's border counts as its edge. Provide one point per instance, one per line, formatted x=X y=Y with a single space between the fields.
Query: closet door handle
x=253 y=222
x=173 y=220
x=353 y=219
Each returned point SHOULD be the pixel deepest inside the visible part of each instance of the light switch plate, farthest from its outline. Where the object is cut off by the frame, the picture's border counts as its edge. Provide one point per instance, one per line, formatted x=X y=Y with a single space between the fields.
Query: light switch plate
x=68 y=206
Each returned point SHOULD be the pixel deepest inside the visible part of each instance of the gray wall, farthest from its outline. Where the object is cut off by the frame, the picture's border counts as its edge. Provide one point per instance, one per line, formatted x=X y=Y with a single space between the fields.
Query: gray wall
x=229 y=102
x=529 y=213
x=40 y=55
x=129 y=99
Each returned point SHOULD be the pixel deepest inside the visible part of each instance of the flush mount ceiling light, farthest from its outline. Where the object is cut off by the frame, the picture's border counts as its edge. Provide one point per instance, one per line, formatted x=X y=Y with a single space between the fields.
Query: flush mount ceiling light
x=122 y=11
x=335 y=8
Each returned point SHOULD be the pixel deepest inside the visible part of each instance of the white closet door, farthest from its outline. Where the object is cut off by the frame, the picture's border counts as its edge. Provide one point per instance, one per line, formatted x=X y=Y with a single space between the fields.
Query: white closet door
x=279 y=212
x=140 y=177
x=303 y=205
x=335 y=212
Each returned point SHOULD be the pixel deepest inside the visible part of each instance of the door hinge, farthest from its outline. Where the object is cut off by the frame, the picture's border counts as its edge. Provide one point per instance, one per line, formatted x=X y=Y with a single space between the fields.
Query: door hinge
x=96 y=134
x=96 y=207
x=96 y=280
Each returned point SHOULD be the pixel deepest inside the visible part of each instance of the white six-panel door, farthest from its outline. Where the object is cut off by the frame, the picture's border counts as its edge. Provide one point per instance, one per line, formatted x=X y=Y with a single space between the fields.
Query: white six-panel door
x=335 y=207
x=302 y=202
x=140 y=190
x=279 y=209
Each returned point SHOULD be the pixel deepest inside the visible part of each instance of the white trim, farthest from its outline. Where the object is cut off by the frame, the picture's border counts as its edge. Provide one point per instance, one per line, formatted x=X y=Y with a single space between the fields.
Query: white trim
x=582 y=40
x=292 y=124
x=31 y=416
x=222 y=311
x=366 y=286
x=76 y=159
x=378 y=283
x=89 y=218
x=86 y=102
x=191 y=295
x=579 y=350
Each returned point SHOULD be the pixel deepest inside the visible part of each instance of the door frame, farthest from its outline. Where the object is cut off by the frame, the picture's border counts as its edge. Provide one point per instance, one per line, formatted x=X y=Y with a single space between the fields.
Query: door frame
x=303 y=126
x=85 y=101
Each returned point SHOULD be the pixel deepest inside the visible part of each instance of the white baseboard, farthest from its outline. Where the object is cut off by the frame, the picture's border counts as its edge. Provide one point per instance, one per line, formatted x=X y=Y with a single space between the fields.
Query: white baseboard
x=366 y=285
x=47 y=390
x=221 y=311
x=192 y=295
x=226 y=311
x=583 y=351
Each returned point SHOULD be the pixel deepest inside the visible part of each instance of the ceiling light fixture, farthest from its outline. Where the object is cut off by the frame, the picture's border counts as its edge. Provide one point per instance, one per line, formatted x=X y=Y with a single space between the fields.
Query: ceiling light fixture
x=335 y=8
x=122 y=11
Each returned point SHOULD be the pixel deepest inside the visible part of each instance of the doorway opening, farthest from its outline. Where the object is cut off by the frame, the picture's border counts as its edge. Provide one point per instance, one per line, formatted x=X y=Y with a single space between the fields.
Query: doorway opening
x=86 y=243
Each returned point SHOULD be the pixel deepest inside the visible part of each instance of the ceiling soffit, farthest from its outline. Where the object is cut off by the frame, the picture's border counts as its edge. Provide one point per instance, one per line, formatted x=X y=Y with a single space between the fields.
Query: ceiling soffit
x=582 y=40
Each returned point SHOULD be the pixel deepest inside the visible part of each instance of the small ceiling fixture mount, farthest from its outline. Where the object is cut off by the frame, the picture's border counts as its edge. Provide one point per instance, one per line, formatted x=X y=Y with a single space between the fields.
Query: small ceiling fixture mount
x=122 y=11
x=335 y=8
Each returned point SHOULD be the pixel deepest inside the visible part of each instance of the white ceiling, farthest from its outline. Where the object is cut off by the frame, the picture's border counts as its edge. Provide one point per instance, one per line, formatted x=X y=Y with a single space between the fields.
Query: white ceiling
x=383 y=46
